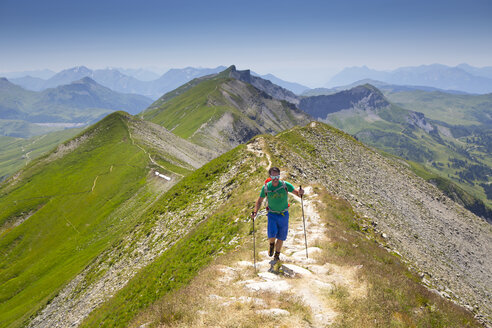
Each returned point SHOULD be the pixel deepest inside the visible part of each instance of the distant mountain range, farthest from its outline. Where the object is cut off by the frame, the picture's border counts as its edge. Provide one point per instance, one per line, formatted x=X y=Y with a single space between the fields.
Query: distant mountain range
x=40 y=73
x=380 y=85
x=139 y=73
x=291 y=86
x=462 y=78
x=82 y=101
x=134 y=81
x=116 y=80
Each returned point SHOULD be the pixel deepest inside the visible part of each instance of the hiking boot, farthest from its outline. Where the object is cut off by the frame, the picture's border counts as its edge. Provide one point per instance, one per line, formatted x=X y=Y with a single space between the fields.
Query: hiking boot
x=270 y=251
x=277 y=256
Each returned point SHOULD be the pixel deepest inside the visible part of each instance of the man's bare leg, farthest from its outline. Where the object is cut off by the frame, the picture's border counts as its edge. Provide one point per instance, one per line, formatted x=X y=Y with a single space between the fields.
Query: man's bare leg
x=278 y=245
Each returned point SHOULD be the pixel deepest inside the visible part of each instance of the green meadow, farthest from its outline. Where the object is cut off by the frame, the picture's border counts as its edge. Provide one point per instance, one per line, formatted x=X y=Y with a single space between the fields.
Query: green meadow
x=16 y=153
x=55 y=217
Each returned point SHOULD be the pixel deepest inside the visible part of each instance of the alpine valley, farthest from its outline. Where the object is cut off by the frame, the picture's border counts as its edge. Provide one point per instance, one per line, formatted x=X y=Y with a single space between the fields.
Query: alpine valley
x=144 y=220
x=448 y=134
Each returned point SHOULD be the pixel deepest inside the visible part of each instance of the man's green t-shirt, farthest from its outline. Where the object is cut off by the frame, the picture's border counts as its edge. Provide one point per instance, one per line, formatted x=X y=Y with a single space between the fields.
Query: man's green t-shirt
x=278 y=200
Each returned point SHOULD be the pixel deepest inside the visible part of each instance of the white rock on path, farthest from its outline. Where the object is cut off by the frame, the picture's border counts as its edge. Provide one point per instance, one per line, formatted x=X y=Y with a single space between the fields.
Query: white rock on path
x=297 y=270
x=324 y=285
x=268 y=276
x=271 y=286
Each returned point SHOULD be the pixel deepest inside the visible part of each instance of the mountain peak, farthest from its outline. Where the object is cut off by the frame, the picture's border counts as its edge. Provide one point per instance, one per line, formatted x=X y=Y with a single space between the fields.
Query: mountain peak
x=371 y=88
x=85 y=80
x=266 y=86
x=244 y=75
x=80 y=69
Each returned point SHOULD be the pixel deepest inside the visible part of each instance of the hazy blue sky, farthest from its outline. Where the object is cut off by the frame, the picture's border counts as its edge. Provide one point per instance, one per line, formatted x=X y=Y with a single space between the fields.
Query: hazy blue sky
x=305 y=41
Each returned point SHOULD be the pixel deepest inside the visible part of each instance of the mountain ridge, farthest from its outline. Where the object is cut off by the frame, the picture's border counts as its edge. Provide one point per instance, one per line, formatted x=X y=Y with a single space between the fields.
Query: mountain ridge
x=392 y=210
x=221 y=111
x=117 y=80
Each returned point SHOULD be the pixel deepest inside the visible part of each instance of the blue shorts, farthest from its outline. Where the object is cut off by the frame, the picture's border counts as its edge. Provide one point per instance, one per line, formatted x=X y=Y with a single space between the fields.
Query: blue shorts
x=278 y=225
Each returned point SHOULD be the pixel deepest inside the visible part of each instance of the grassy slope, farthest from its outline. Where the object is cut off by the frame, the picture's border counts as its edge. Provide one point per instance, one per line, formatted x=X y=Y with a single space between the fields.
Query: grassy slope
x=13 y=150
x=395 y=296
x=70 y=222
x=449 y=108
x=15 y=97
x=392 y=135
x=178 y=265
x=185 y=113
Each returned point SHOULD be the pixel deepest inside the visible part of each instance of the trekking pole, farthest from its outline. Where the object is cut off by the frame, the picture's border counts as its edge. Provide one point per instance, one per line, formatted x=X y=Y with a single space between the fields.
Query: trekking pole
x=254 y=241
x=304 y=223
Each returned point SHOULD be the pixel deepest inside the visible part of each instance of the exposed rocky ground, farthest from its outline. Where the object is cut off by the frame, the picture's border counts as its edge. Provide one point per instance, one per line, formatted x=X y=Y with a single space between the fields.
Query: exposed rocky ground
x=179 y=152
x=297 y=277
x=251 y=112
x=266 y=86
x=448 y=245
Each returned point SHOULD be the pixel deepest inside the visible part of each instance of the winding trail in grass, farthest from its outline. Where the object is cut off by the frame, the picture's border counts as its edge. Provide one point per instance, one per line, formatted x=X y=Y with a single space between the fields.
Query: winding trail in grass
x=94 y=185
x=150 y=157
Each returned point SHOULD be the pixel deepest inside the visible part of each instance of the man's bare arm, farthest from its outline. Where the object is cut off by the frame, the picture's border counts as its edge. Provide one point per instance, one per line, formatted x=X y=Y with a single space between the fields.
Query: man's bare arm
x=257 y=206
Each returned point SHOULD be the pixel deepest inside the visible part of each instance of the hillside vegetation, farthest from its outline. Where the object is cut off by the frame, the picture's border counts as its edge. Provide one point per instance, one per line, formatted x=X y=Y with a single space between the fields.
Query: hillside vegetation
x=206 y=215
x=449 y=108
x=17 y=152
x=451 y=152
x=65 y=208
x=221 y=112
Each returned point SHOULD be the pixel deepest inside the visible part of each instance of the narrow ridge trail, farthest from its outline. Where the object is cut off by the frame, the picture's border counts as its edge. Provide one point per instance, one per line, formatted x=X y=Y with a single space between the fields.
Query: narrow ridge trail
x=307 y=280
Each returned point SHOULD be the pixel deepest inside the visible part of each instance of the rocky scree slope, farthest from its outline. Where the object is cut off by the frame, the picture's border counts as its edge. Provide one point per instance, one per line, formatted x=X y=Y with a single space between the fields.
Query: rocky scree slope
x=447 y=244
x=320 y=106
x=365 y=100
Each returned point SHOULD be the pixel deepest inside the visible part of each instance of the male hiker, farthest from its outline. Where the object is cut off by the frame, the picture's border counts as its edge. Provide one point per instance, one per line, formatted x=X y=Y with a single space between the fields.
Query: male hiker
x=276 y=192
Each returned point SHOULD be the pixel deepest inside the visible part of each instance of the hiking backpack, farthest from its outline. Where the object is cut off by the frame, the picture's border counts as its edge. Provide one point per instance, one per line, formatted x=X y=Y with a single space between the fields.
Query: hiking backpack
x=283 y=185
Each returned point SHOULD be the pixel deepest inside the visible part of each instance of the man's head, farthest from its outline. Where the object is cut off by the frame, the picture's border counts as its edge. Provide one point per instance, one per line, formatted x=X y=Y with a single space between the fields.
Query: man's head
x=274 y=173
